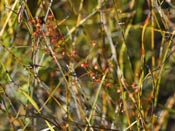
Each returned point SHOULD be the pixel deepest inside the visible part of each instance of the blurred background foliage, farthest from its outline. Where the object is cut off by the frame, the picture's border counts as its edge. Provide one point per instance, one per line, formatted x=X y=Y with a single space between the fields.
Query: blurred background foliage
x=54 y=55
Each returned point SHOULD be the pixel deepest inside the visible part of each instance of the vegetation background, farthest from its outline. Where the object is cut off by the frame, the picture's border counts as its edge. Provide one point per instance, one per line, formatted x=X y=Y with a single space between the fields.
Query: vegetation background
x=96 y=65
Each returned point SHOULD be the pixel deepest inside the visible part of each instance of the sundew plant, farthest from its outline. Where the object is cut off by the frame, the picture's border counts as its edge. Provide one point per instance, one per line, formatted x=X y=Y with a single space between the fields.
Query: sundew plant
x=87 y=65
